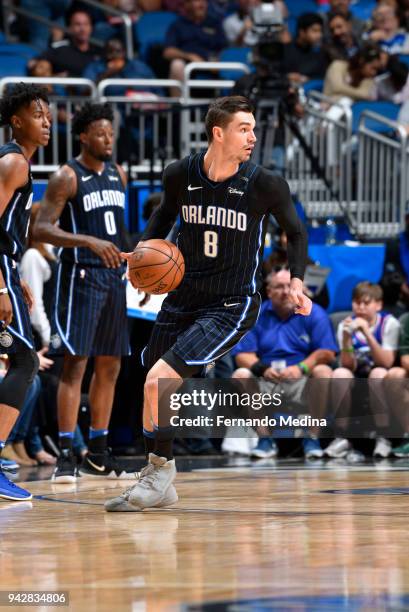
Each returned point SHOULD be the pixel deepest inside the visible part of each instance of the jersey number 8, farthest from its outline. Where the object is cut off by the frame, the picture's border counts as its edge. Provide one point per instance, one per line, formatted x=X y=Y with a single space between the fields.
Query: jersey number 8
x=211 y=240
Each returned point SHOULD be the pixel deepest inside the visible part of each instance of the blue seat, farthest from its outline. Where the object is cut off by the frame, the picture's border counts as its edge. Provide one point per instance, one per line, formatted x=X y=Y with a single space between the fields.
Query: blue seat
x=404 y=57
x=234 y=54
x=2 y=37
x=363 y=9
x=21 y=49
x=151 y=29
x=313 y=84
x=12 y=65
x=389 y=110
x=298 y=7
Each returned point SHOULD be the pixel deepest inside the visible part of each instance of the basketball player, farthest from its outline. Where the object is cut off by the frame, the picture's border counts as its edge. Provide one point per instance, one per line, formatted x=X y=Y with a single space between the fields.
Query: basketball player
x=87 y=196
x=224 y=202
x=25 y=110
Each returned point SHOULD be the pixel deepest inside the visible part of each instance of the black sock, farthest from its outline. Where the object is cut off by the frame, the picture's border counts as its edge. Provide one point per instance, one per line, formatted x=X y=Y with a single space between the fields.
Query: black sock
x=149 y=442
x=164 y=448
x=98 y=445
x=65 y=440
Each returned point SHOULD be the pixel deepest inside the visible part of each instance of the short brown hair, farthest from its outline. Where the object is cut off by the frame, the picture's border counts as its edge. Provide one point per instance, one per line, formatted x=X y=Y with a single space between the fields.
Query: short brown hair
x=367 y=289
x=221 y=112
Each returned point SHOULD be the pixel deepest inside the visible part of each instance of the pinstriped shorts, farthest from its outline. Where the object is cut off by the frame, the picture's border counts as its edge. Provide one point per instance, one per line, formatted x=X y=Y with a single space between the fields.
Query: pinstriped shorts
x=201 y=331
x=20 y=327
x=89 y=312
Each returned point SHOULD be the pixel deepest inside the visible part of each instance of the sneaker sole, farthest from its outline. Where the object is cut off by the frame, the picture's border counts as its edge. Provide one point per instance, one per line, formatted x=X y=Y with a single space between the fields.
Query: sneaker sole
x=64 y=479
x=127 y=507
x=111 y=476
x=9 y=498
x=260 y=455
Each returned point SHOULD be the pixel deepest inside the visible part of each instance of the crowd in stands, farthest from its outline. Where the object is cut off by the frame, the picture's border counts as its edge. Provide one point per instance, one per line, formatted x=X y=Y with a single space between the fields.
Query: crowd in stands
x=349 y=59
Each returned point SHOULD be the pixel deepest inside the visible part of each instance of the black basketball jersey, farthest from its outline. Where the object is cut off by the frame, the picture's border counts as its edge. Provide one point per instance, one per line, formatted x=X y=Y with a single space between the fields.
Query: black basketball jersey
x=97 y=209
x=223 y=225
x=15 y=220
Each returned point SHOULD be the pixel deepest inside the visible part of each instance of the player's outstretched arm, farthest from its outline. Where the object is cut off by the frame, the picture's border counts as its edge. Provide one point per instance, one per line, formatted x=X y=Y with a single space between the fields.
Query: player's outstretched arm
x=164 y=216
x=62 y=186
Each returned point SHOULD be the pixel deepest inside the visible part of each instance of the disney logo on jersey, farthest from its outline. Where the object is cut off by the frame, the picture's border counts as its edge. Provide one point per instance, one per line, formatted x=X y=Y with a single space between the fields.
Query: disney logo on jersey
x=232 y=190
x=113 y=178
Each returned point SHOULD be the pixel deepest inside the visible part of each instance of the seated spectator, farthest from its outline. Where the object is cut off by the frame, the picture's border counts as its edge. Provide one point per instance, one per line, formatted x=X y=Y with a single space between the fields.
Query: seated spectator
x=285 y=348
x=116 y=66
x=238 y=27
x=354 y=80
x=341 y=42
x=393 y=85
x=342 y=7
x=368 y=340
x=71 y=56
x=386 y=30
x=194 y=38
x=396 y=391
x=304 y=59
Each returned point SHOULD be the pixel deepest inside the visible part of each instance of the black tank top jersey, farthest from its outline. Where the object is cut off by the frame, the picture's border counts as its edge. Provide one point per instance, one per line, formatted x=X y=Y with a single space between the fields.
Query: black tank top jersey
x=223 y=225
x=98 y=209
x=16 y=217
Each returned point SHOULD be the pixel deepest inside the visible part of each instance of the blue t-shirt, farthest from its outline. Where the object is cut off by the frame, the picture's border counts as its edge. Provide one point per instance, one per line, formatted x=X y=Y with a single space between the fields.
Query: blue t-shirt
x=204 y=38
x=291 y=340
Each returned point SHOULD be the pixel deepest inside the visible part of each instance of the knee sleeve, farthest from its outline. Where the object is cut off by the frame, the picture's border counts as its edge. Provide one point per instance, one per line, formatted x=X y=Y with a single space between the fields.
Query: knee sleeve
x=22 y=370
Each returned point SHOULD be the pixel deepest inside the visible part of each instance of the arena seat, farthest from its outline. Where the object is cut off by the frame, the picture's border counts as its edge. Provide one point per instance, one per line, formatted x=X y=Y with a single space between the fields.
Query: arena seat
x=298 y=7
x=151 y=30
x=21 y=49
x=234 y=54
x=12 y=65
x=389 y=110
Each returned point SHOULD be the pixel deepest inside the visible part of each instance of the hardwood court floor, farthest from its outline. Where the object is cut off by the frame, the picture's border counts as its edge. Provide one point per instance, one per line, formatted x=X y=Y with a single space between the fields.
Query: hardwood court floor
x=273 y=536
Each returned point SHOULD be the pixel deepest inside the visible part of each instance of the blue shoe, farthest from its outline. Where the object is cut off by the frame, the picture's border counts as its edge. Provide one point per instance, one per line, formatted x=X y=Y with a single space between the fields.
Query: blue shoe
x=9 y=490
x=266 y=447
x=312 y=448
x=8 y=464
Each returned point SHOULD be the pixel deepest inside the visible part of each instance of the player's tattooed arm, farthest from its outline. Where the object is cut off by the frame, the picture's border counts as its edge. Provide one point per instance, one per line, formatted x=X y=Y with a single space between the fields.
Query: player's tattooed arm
x=62 y=186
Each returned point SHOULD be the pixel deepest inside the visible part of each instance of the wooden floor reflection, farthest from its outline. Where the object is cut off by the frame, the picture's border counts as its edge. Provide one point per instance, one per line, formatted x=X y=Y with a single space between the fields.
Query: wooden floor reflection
x=241 y=533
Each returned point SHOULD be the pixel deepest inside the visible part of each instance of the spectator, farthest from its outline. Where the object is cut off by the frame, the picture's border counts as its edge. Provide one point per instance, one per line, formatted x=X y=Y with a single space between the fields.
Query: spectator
x=286 y=348
x=369 y=342
x=354 y=80
x=304 y=59
x=395 y=389
x=341 y=42
x=194 y=38
x=342 y=7
x=71 y=56
x=116 y=66
x=393 y=85
x=238 y=27
x=386 y=30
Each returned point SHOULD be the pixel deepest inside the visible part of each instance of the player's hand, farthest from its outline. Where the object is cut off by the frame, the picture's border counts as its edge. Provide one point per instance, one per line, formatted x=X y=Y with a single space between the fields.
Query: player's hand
x=303 y=304
x=45 y=362
x=6 y=309
x=291 y=373
x=145 y=299
x=106 y=250
x=27 y=294
x=271 y=374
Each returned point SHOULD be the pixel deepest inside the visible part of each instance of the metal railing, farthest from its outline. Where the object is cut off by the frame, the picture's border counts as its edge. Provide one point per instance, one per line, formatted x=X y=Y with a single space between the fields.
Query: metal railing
x=62 y=108
x=382 y=177
x=328 y=136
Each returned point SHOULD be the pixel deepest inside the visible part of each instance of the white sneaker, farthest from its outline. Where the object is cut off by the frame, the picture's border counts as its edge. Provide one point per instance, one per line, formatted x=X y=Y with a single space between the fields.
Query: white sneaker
x=121 y=502
x=383 y=448
x=338 y=448
x=152 y=486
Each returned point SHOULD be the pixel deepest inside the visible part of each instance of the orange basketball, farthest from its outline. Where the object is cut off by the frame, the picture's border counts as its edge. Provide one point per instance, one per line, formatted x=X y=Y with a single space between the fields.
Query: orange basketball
x=156 y=266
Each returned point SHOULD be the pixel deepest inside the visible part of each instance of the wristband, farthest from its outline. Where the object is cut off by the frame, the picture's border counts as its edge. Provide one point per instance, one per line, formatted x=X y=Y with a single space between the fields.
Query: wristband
x=348 y=349
x=304 y=368
x=4 y=291
x=258 y=368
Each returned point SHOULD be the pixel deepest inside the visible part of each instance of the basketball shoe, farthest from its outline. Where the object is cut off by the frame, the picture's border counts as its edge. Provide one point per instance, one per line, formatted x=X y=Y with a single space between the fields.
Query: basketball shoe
x=9 y=490
x=154 y=488
x=106 y=465
x=66 y=470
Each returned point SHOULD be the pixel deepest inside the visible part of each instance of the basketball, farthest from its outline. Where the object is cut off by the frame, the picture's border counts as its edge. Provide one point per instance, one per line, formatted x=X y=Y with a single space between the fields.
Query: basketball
x=156 y=266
